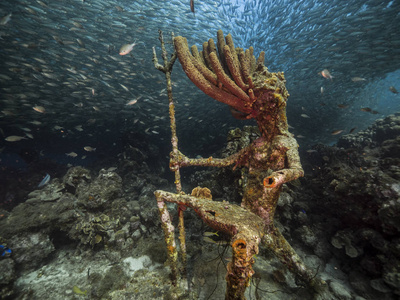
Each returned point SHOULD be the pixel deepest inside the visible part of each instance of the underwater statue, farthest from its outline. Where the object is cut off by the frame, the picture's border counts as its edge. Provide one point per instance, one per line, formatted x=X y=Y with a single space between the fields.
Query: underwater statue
x=235 y=77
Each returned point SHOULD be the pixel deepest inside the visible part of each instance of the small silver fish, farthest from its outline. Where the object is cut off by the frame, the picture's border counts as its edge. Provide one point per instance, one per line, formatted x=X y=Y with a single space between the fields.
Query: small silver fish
x=125 y=49
x=124 y=87
x=358 y=79
x=4 y=20
x=14 y=138
x=326 y=74
x=89 y=149
x=71 y=154
x=134 y=101
x=393 y=90
x=45 y=181
x=39 y=109
x=336 y=132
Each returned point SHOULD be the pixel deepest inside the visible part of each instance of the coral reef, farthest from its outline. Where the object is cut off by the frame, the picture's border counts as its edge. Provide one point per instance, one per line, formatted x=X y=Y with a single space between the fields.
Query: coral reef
x=330 y=226
x=82 y=213
x=354 y=190
x=236 y=78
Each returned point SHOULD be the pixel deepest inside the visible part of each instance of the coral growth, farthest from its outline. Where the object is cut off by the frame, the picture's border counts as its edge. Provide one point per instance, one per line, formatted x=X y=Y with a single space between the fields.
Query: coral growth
x=82 y=212
x=354 y=193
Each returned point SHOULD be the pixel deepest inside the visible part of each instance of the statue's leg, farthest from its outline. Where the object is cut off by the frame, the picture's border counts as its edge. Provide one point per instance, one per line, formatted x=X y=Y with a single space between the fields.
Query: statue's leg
x=182 y=240
x=274 y=240
x=169 y=239
x=239 y=270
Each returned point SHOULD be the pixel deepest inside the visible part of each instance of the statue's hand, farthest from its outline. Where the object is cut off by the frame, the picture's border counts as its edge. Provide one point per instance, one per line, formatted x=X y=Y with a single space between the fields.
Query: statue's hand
x=177 y=159
x=274 y=180
x=280 y=177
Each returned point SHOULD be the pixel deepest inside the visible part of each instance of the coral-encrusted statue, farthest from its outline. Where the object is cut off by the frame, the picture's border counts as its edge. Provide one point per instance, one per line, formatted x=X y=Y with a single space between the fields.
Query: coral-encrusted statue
x=234 y=77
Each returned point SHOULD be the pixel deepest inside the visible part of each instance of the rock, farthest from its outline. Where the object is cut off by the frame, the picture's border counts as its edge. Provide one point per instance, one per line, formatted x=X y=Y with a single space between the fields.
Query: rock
x=134 y=206
x=395 y=246
x=392 y=278
x=339 y=291
x=46 y=215
x=100 y=193
x=361 y=285
x=285 y=199
x=148 y=191
x=31 y=250
x=380 y=286
x=389 y=214
x=345 y=238
x=7 y=274
x=136 y=235
x=314 y=262
x=7 y=277
x=113 y=279
x=51 y=192
x=307 y=236
x=322 y=250
x=372 y=265
x=374 y=237
x=76 y=177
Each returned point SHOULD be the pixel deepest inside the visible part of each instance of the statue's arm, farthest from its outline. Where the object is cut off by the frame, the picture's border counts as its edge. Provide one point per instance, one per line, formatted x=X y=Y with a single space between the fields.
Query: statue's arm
x=180 y=160
x=293 y=170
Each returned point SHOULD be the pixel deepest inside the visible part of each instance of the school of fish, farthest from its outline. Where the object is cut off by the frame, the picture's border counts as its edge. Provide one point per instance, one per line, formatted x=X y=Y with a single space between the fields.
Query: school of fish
x=75 y=70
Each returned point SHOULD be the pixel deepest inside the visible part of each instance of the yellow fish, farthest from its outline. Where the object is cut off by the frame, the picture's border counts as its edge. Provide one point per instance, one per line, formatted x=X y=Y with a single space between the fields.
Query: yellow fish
x=209 y=233
x=78 y=291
